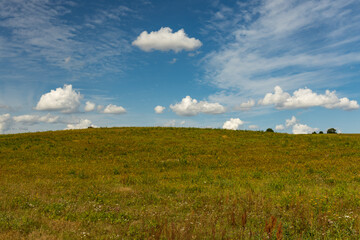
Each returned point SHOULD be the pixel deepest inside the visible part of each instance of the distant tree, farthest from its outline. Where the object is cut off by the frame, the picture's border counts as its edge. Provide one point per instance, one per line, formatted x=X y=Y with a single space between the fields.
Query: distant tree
x=313 y=132
x=321 y=132
x=331 y=131
x=269 y=130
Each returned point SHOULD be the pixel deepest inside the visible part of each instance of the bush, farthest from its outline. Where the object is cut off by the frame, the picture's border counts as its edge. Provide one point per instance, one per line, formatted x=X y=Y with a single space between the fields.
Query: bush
x=321 y=132
x=313 y=132
x=331 y=131
x=269 y=130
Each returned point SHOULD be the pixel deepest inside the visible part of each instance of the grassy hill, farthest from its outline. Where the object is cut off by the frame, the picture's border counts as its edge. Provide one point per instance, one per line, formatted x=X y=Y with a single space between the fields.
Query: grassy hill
x=178 y=183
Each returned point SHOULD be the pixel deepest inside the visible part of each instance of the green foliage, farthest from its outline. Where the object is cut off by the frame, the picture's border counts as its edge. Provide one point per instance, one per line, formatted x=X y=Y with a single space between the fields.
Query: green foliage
x=269 y=130
x=178 y=183
x=331 y=131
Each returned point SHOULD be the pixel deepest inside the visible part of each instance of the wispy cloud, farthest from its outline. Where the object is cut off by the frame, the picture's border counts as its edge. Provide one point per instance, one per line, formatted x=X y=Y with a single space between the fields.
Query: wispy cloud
x=284 y=42
x=39 y=33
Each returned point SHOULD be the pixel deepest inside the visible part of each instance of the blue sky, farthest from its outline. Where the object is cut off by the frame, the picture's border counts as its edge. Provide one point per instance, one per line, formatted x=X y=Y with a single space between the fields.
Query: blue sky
x=289 y=65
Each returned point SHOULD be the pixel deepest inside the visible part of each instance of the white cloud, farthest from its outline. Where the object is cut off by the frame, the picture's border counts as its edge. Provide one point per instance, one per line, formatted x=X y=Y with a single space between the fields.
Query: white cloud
x=266 y=43
x=302 y=129
x=165 y=40
x=291 y=122
x=297 y=128
x=174 y=123
x=113 y=109
x=233 y=124
x=159 y=109
x=5 y=122
x=245 y=106
x=191 y=107
x=63 y=99
x=170 y=123
x=67 y=60
x=90 y=106
x=173 y=61
x=83 y=123
x=38 y=28
x=33 y=119
x=279 y=127
x=253 y=127
x=305 y=98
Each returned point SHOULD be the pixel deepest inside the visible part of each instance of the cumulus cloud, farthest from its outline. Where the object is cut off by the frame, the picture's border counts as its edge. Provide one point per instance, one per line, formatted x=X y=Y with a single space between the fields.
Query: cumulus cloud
x=5 y=122
x=113 y=109
x=245 y=106
x=83 y=123
x=63 y=99
x=290 y=122
x=191 y=107
x=233 y=124
x=90 y=106
x=303 y=129
x=165 y=40
x=298 y=128
x=33 y=119
x=279 y=127
x=159 y=109
x=305 y=98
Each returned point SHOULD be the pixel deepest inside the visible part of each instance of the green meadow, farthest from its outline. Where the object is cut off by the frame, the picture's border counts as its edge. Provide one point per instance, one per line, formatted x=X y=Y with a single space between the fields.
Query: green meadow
x=179 y=183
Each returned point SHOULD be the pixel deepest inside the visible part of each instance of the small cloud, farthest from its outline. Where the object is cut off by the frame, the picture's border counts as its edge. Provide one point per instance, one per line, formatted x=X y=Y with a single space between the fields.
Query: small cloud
x=245 y=106
x=191 y=107
x=63 y=99
x=82 y=124
x=192 y=54
x=90 y=106
x=166 y=40
x=173 y=61
x=34 y=119
x=67 y=60
x=171 y=123
x=113 y=109
x=253 y=127
x=297 y=128
x=5 y=122
x=233 y=124
x=291 y=122
x=279 y=127
x=305 y=98
x=303 y=129
x=159 y=109
x=174 y=123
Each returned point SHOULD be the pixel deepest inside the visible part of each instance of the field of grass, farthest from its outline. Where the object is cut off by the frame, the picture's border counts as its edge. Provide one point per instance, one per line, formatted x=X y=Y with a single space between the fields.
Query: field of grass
x=179 y=183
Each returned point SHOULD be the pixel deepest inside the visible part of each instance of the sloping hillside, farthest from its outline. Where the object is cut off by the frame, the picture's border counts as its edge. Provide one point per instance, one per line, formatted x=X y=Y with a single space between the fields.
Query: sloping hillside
x=178 y=183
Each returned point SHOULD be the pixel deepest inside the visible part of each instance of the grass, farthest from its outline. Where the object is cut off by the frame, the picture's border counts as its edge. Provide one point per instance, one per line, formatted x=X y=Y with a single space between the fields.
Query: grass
x=178 y=183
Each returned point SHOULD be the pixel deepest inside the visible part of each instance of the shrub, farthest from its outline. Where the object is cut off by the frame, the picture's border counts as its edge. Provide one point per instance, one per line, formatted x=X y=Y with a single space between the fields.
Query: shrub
x=269 y=130
x=331 y=131
x=321 y=132
x=313 y=132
